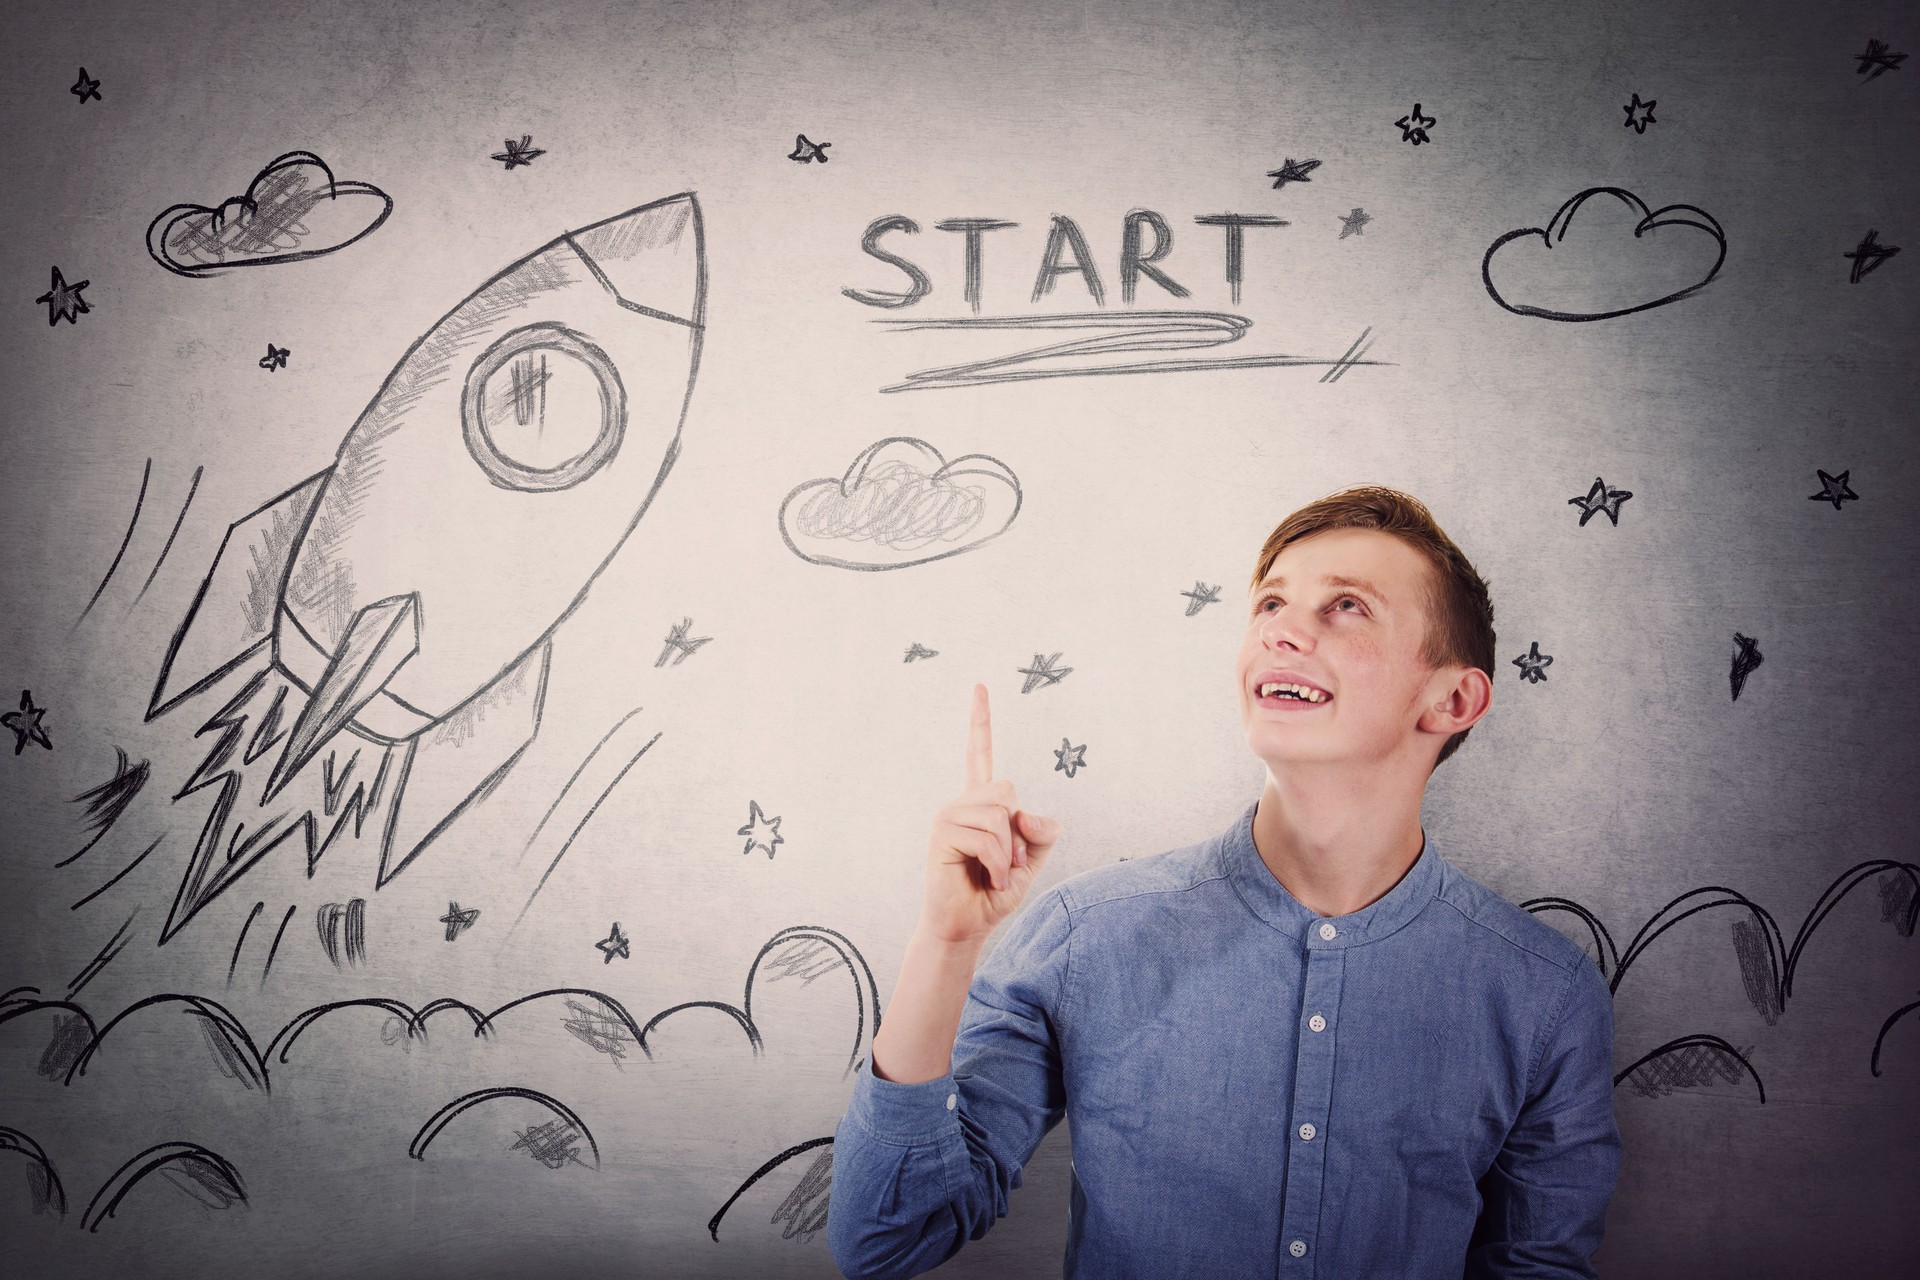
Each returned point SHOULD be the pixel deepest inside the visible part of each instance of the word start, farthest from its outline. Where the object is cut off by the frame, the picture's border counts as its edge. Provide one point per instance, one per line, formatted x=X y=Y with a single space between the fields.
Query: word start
x=1066 y=254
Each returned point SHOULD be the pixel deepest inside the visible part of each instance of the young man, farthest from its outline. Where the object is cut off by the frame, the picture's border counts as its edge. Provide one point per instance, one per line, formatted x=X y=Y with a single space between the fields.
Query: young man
x=1309 y=1046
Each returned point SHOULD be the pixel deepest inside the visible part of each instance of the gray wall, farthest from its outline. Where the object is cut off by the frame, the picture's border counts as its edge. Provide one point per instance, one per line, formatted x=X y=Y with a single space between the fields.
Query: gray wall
x=215 y=1130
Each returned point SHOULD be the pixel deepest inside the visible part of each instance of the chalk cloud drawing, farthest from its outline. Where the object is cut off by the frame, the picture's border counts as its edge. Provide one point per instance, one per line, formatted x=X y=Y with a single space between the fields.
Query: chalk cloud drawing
x=900 y=503
x=293 y=209
x=1613 y=259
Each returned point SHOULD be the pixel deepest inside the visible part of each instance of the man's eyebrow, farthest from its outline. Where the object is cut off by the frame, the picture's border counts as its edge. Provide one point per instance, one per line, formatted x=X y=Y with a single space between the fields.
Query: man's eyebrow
x=1360 y=585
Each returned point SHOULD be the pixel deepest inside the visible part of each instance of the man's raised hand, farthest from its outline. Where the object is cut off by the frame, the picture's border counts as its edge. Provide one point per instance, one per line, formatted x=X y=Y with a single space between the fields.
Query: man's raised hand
x=985 y=851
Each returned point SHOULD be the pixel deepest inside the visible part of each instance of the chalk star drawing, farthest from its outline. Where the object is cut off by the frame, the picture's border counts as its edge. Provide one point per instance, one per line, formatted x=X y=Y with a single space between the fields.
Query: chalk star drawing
x=1533 y=664
x=1414 y=126
x=85 y=87
x=1292 y=171
x=1199 y=598
x=1834 y=489
x=807 y=152
x=1866 y=258
x=276 y=358
x=756 y=820
x=1042 y=670
x=677 y=639
x=614 y=944
x=64 y=299
x=458 y=919
x=1354 y=223
x=1601 y=498
x=918 y=650
x=1746 y=656
x=1874 y=61
x=1639 y=123
x=1069 y=757
x=26 y=725
x=519 y=153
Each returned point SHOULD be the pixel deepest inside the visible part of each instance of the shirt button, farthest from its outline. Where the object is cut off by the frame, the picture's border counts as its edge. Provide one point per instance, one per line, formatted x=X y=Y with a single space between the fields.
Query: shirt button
x=1326 y=932
x=1298 y=1248
x=1317 y=1022
x=952 y=1100
x=1306 y=1132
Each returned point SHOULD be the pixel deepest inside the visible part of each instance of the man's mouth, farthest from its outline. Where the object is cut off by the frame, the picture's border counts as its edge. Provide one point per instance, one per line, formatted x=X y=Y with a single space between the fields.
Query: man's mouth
x=1275 y=692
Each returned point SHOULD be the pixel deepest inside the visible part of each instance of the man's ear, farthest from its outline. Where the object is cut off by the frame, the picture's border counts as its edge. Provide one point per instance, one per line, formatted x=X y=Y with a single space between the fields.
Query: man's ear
x=1463 y=702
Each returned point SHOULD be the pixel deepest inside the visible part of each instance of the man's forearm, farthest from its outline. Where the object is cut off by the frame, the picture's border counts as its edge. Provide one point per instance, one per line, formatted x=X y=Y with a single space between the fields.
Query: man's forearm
x=915 y=1042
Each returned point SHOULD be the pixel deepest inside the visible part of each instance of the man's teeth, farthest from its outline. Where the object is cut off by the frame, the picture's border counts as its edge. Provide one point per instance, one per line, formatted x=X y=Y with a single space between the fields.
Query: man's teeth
x=1275 y=688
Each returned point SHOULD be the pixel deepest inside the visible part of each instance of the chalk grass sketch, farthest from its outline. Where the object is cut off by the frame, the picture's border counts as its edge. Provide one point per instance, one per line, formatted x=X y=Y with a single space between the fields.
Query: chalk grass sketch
x=1767 y=961
x=384 y=681
x=900 y=503
x=294 y=209
x=1624 y=258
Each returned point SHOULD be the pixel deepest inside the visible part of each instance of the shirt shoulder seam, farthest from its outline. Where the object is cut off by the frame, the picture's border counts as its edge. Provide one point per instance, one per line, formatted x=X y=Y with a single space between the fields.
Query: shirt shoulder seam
x=1557 y=962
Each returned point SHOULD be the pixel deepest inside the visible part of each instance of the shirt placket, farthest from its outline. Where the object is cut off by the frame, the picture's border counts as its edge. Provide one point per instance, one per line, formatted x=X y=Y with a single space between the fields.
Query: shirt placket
x=1312 y=1099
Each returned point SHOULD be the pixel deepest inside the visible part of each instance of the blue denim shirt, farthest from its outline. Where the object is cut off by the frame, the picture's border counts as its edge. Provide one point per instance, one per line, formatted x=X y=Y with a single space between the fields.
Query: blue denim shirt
x=1423 y=1087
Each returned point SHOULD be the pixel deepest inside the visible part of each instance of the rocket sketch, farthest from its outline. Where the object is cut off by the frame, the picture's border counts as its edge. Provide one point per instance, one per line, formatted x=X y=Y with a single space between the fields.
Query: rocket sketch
x=518 y=441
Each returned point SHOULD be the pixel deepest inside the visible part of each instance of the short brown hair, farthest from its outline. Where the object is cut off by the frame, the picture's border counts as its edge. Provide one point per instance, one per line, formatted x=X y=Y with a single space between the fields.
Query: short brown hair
x=1459 y=610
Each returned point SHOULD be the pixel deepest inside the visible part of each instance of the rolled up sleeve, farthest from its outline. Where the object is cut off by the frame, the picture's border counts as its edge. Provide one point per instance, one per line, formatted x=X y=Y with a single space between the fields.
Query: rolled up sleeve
x=919 y=1169
x=1544 y=1200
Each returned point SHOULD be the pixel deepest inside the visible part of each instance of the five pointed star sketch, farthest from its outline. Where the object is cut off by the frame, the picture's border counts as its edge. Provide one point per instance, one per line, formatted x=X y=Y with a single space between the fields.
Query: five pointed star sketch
x=1600 y=498
x=1746 y=656
x=1068 y=757
x=26 y=725
x=1877 y=60
x=614 y=944
x=1414 y=126
x=677 y=639
x=807 y=152
x=1834 y=489
x=1354 y=223
x=756 y=823
x=458 y=920
x=1292 y=170
x=64 y=299
x=1639 y=123
x=85 y=87
x=1199 y=598
x=276 y=358
x=1867 y=257
x=519 y=153
x=918 y=650
x=1041 y=671
x=1533 y=664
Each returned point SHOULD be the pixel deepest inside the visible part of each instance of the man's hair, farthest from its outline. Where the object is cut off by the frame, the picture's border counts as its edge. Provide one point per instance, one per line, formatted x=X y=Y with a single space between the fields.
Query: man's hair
x=1458 y=609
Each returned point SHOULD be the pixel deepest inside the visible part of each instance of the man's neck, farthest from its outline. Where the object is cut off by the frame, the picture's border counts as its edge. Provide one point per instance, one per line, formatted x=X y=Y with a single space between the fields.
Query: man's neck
x=1336 y=849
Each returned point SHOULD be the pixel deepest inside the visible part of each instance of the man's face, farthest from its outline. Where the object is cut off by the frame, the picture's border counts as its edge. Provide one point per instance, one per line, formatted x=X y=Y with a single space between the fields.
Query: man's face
x=1344 y=612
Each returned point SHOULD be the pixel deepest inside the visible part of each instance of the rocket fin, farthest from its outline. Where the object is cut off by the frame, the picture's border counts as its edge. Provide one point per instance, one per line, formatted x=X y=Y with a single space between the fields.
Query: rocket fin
x=459 y=762
x=232 y=614
x=379 y=640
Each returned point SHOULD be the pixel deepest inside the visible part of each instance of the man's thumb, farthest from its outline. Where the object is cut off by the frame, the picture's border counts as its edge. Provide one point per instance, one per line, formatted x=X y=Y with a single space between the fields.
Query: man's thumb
x=1040 y=833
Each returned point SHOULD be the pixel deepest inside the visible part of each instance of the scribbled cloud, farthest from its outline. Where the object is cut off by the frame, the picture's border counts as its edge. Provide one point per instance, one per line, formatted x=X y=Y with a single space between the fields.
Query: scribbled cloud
x=293 y=209
x=1600 y=258
x=900 y=503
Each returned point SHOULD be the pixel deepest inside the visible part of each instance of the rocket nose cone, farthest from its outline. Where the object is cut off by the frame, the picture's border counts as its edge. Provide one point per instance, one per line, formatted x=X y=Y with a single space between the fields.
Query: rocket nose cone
x=652 y=257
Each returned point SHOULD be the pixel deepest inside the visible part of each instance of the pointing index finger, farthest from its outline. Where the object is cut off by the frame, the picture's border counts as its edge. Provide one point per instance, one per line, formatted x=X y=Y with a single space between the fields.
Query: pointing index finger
x=979 y=741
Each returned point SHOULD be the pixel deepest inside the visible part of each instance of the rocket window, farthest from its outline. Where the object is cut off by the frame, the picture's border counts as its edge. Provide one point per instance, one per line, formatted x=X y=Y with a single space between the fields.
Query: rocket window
x=544 y=409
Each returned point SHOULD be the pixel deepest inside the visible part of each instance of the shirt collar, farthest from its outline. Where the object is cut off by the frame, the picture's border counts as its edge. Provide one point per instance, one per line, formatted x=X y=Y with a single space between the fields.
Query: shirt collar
x=1270 y=900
